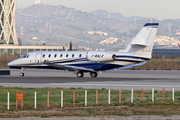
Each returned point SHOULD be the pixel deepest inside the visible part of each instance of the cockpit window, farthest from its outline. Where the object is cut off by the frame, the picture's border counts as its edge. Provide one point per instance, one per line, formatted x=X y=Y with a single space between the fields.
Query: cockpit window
x=25 y=56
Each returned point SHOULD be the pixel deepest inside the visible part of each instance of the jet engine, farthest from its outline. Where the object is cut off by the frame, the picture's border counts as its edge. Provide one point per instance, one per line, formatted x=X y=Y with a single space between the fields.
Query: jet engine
x=99 y=56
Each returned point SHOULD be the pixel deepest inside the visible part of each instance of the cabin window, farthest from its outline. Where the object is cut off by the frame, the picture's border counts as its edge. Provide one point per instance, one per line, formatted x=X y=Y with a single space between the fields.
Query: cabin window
x=43 y=55
x=67 y=55
x=80 y=55
x=55 y=55
x=25 y=56
x=72 y=55
x=61 y=55
x=49 y=55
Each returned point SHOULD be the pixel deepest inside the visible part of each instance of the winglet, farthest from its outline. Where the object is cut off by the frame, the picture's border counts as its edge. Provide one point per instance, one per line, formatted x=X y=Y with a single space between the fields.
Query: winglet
x=151 y=24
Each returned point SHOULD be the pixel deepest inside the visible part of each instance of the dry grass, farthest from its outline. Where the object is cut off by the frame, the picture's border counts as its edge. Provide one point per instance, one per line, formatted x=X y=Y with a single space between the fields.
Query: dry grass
x=156 y=108
x=161 y=63
x=5 y=59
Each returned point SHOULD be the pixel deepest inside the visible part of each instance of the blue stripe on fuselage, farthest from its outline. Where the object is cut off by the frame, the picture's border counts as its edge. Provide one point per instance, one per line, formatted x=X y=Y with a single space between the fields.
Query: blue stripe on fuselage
x=66 y=61
x=124 y=56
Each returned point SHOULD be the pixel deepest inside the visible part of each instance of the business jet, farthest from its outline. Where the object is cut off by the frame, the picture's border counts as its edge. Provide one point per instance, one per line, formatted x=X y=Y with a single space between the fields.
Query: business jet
x=79 y=62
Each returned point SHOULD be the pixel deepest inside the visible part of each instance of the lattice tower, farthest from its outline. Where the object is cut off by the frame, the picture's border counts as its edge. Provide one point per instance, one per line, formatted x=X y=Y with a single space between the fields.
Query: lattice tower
x=7 y=22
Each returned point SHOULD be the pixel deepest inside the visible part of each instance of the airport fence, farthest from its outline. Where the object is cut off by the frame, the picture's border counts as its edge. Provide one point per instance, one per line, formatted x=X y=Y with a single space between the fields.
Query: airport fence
x=44 y=98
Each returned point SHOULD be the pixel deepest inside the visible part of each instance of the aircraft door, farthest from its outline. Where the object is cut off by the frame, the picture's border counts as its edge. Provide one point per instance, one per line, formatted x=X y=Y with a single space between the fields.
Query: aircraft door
x=38 y=58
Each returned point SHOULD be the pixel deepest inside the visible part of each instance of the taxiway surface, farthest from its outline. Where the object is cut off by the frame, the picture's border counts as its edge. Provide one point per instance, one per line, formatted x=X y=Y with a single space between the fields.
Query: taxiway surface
x=124 y=79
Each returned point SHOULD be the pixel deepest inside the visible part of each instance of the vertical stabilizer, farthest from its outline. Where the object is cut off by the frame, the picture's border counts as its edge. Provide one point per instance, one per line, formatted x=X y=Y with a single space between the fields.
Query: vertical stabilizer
x=144 y=40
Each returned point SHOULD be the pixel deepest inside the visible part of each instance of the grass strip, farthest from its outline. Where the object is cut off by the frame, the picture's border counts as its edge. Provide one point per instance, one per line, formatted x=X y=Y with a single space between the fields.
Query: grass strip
x=126 y=108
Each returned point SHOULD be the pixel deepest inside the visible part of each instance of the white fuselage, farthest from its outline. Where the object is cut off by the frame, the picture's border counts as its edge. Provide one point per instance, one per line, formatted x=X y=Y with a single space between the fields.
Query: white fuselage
x=96 y=60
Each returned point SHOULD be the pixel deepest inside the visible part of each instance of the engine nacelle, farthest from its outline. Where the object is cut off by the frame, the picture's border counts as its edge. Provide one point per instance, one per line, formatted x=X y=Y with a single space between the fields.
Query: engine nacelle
x=100 y=56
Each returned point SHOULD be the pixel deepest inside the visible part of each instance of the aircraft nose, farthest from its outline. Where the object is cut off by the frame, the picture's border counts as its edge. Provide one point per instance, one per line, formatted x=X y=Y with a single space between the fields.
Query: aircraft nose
x=10 y=64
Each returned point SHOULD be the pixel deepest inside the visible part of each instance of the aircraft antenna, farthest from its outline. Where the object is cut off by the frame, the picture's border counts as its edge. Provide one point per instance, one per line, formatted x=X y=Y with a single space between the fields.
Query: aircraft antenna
x=134 y=19
x=50 y=28
x=169 y=27
x=47 y=24
x=21 y=30
x=151 y=20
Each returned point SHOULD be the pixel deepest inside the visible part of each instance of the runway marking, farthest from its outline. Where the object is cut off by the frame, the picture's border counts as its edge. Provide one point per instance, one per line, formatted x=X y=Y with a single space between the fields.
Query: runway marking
x=55 y=75
x=119 y=85
x=106 y=85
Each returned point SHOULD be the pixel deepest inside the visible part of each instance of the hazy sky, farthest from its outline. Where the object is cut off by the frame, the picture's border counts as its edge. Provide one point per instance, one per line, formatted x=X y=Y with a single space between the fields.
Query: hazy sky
x=159 y=9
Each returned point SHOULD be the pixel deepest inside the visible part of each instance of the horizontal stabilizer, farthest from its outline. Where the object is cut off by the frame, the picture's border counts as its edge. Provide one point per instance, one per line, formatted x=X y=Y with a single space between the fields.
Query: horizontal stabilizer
x=140 y=42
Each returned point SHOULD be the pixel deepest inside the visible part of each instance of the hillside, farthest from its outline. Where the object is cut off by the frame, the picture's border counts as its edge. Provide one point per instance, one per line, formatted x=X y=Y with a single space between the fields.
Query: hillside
x=60 y=25
x=117 y=16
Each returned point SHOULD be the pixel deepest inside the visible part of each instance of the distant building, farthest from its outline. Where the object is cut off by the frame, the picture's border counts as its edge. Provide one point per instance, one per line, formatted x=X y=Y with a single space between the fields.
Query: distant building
x=165 y=52
x=34 y=38
x=178 y=33
x=97 y=32
x=110 y=40
x=21 y=50
x=165 y=40
x=7 y=22
x=37 y=2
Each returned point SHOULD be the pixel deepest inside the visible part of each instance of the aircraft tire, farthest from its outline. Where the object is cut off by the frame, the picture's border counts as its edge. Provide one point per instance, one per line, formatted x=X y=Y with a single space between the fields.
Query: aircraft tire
x=93 y=74
x=80 y=74
x=21 y=74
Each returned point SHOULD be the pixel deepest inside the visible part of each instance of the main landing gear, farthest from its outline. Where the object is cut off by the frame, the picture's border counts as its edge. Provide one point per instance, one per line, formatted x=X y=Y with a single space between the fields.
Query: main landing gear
x=81 y=74
x=22 y=74
x=93 y=74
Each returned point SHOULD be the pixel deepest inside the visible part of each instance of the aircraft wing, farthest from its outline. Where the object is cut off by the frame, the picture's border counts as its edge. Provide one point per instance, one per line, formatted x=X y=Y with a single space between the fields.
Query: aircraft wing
x=67 y=67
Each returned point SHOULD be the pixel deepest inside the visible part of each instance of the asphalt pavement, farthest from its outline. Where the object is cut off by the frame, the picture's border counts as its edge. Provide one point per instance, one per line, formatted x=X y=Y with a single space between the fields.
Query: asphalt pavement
x=122 y=79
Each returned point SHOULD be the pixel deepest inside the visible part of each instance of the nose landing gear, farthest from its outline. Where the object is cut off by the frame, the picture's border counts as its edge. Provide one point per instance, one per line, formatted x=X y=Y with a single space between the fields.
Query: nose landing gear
x=22 y=73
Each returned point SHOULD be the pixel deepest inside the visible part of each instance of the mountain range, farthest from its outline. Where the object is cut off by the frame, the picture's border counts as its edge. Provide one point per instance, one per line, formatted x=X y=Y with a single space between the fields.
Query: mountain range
x=58 y=25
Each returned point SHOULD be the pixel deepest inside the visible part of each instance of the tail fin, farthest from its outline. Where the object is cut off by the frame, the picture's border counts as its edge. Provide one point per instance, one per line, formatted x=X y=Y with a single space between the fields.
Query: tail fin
x=144 y=40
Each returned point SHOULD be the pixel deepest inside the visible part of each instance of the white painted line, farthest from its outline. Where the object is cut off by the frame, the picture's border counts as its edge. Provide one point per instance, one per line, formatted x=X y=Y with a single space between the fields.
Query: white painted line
x=86 y=84
x=114 y=85
x=57 y=75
